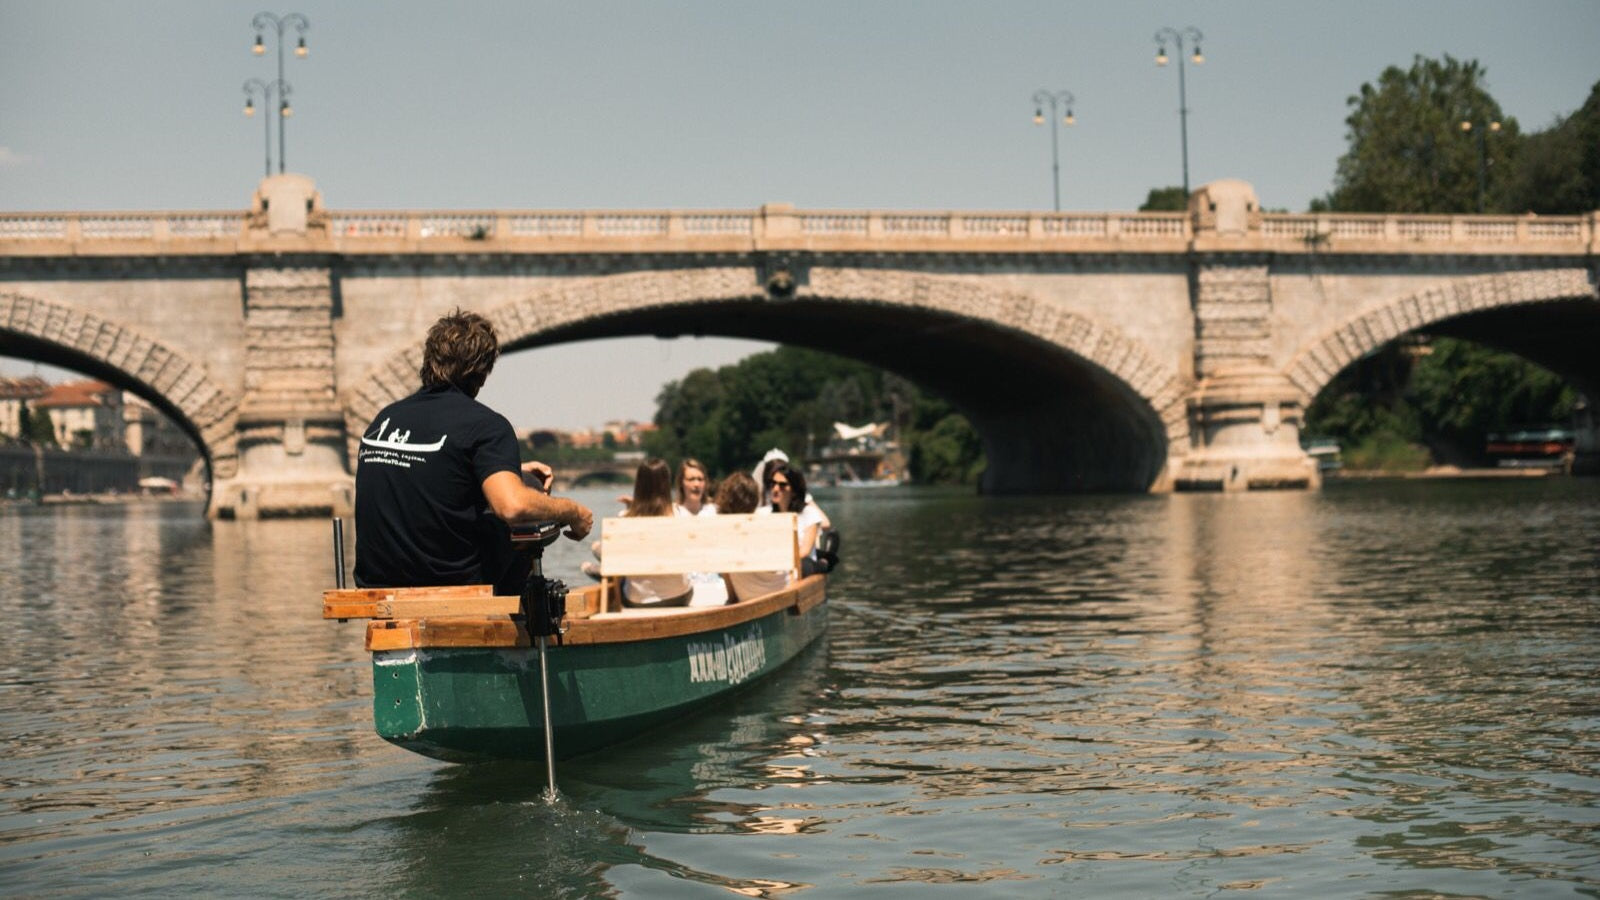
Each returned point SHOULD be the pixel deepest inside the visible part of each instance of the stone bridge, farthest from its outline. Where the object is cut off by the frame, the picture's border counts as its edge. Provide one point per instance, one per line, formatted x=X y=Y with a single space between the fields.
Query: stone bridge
x=1092 y=351
x=570 y=475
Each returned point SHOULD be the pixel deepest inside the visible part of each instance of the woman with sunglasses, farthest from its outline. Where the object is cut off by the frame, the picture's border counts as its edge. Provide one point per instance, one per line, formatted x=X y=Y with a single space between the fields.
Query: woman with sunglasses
x=786 y=489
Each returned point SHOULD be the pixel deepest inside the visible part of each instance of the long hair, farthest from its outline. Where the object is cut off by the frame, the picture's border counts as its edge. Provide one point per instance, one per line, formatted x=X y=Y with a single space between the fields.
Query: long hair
x=652 y=490
x=738 y=494
x=797 y=485
x=460 y=350
x=683 y=470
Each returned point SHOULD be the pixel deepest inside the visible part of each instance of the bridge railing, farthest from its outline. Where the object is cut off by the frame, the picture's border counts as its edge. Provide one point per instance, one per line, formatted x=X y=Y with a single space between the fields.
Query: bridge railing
x=1427 y=229
x=354 y=231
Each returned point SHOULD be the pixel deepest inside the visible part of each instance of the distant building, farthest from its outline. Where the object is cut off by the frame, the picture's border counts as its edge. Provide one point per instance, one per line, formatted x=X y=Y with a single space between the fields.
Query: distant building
x=15 y=395
x=86 y=415
x=621 y=434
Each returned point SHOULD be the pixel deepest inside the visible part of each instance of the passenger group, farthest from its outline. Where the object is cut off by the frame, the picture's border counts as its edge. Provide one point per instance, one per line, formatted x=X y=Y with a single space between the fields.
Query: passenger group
x=784 y=489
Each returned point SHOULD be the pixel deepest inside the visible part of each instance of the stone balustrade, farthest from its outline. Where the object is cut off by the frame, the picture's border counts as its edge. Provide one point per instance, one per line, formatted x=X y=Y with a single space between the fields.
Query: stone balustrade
x=783 y=227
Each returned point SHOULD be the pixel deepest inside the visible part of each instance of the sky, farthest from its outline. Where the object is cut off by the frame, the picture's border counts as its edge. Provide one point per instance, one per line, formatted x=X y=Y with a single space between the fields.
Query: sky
x=722 y=104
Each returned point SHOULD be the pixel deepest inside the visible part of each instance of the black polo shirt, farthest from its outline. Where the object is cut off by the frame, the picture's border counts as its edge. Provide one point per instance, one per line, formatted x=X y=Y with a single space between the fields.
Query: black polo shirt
x=421 y=516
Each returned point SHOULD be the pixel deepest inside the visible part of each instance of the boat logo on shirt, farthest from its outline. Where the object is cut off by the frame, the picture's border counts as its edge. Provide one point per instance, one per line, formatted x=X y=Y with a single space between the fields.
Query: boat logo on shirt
x=396 y=449
x=400 y=440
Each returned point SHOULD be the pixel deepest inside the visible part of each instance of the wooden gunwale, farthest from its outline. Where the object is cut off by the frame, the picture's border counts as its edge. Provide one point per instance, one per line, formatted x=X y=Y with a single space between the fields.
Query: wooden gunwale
x=483 y=628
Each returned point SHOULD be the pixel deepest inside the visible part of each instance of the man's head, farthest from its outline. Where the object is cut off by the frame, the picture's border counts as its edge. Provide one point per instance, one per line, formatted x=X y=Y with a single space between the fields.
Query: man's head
x=460 y=350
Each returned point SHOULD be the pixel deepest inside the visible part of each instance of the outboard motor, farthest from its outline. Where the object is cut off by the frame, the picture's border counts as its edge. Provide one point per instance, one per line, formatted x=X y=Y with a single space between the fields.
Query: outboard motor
x=544 y=600
x=544 y=605
x=828 y=549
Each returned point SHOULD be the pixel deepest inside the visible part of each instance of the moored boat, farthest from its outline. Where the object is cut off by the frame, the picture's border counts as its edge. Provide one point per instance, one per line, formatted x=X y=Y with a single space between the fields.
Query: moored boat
x=457 y=677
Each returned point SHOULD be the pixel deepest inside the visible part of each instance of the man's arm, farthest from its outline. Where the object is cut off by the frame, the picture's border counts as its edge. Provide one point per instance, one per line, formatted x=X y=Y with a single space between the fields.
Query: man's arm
x=514 y=501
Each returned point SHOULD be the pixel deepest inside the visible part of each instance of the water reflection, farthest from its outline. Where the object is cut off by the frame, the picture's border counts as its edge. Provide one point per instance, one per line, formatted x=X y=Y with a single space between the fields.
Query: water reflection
x=1371 y=688
x=616 y=805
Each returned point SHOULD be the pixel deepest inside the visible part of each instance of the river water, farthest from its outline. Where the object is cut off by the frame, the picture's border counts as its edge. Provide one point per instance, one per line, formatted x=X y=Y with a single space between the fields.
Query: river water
x=1379 y=689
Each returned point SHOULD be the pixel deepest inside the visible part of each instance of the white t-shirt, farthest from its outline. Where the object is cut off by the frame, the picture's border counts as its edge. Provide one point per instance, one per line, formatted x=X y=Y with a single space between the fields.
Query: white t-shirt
x=810 y=515
x=709 y=588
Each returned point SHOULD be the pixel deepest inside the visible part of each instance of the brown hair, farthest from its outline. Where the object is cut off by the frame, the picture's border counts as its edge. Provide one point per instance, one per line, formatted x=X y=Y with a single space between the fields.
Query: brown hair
x=738 y=494
x=688 y=463
x=652 y=490
x=460 y=350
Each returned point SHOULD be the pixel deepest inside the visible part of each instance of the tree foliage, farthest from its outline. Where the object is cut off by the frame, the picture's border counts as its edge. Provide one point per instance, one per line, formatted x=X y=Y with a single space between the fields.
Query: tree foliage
x=1165 y=199
x=1407 y=150
x=1408 y=153
x=1445 y=394
x=42 y=430
x=1558 y=169
x=790 y=398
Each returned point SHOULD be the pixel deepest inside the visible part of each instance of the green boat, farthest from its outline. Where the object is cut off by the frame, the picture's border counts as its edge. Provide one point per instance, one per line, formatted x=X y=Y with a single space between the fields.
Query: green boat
x=457 y=677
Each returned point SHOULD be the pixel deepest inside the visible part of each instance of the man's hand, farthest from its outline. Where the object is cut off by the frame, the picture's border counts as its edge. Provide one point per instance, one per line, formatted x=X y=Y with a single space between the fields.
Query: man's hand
x=542 y=475
x=582 y=520
x=514 y=501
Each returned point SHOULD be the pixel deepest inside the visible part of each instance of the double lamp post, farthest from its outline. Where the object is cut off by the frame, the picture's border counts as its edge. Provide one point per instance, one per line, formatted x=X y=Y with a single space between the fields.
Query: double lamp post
x=1058 y=100
x=279 y=88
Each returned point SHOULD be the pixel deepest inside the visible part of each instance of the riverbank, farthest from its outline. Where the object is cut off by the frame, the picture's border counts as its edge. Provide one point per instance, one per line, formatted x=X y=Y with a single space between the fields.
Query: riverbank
x=1442 y=472
x=92 y=499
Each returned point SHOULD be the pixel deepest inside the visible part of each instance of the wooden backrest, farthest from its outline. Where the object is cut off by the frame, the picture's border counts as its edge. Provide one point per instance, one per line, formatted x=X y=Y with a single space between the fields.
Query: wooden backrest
x=666 y=545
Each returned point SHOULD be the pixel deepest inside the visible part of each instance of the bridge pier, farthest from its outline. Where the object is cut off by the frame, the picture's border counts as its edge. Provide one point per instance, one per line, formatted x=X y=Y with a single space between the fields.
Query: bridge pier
x=1246 y=433
x=1586 y=433
x=1244 y=417
x=291 y=434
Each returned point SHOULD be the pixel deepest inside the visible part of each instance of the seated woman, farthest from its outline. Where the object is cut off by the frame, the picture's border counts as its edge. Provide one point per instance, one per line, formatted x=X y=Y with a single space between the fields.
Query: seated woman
x=739 y=494
x=786 y=488
x=693 y=485
x=692 y=501
x=652 y=496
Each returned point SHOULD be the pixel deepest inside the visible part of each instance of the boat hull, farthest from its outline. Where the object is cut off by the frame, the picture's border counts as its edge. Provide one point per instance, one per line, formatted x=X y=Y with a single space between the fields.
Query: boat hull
x=464 y=704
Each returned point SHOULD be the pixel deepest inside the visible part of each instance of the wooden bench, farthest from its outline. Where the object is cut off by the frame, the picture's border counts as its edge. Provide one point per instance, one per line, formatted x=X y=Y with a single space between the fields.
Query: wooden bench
x=672 y=545
x=647 y=546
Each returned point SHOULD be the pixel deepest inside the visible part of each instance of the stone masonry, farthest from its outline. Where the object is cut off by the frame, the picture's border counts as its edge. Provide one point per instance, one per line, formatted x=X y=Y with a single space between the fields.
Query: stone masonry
x=1094 y=351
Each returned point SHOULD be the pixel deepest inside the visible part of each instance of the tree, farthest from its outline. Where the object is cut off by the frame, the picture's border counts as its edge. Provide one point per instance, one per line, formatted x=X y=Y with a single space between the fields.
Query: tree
x=1408 y=152
x=1166 y=199
x=42 y=430
x=790 y=398
x=1445 y=394
x=1558 y=169
x=1465 y=391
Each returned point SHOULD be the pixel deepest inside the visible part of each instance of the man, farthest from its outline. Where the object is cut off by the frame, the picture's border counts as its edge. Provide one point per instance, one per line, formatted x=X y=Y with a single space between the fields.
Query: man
x=439 y=476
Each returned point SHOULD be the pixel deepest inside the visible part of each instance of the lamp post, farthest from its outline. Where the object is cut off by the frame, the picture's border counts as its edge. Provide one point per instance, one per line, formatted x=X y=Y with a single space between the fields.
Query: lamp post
x=1483 y=129
x=1177 y=37
x=1054 y=98
x=268 y=21
x=267 y=89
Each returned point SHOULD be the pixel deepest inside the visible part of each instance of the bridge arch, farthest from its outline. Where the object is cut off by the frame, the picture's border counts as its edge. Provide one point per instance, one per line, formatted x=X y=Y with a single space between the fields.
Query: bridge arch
x=183 y=389
x=1062 y=402
x=1476 y=308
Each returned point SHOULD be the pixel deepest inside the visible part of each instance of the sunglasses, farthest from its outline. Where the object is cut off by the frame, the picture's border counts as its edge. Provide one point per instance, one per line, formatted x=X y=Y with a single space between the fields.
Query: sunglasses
x=775 y=483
